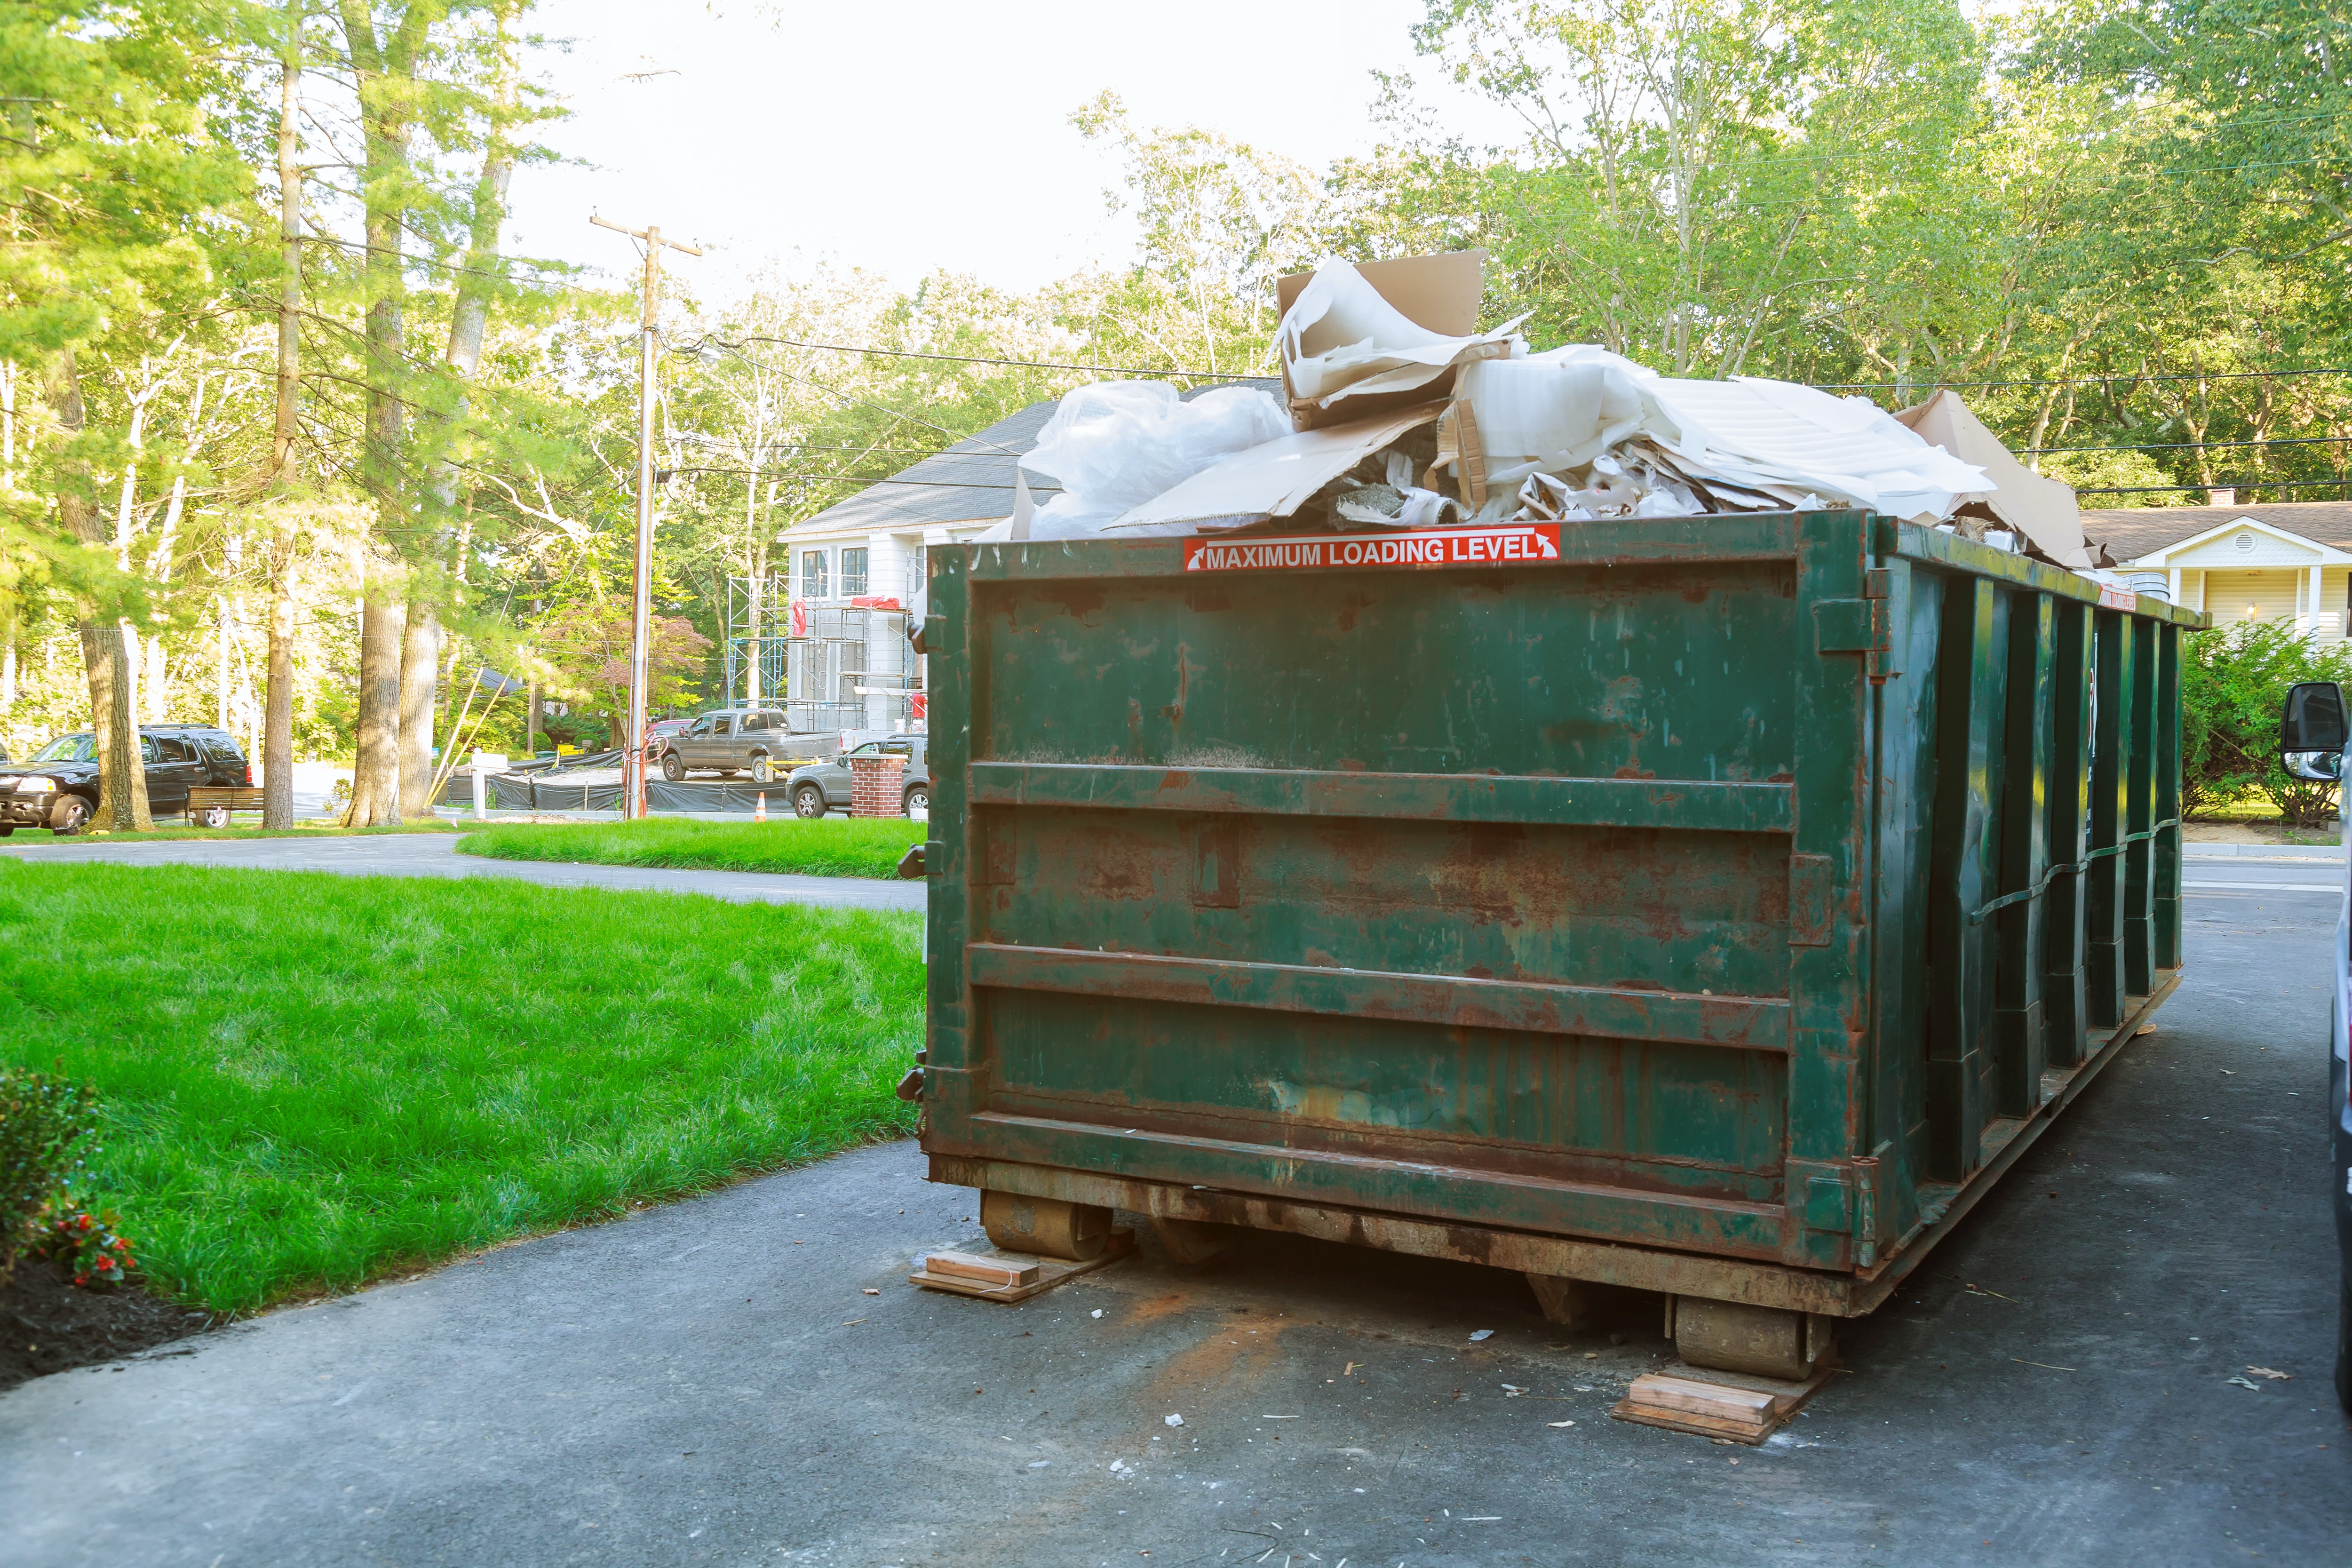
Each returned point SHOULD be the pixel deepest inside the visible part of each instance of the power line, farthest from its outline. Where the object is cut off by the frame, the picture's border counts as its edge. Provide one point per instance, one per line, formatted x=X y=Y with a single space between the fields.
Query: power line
x=1824 y=387
x=953 y=439
x=1039 y=489
x=2201 y=445
x=980 y=359
x=2081 y=380
x=2264 y=485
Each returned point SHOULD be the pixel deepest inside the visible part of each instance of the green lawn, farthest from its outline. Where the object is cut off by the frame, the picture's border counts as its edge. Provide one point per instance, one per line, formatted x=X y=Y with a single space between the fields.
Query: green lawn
x=827 y=847
x=310 y=1080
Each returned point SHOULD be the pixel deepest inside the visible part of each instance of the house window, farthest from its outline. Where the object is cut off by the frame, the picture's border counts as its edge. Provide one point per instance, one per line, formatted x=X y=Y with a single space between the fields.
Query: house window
x=853 y=573
x=915 y=584
x=815 y=578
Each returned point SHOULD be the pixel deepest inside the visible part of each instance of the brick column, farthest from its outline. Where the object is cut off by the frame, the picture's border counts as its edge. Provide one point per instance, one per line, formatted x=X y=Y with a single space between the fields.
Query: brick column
x=874 y=787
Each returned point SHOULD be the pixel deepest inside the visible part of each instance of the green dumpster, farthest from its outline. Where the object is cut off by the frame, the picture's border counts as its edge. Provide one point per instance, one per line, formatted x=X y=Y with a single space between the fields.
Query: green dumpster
x=1710 y=906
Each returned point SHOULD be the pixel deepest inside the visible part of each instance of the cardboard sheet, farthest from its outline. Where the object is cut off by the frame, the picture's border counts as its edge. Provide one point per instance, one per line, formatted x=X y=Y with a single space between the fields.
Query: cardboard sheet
x=2042 y=510
x=1760 y=432
x=1274 y=479
x=1357 y=341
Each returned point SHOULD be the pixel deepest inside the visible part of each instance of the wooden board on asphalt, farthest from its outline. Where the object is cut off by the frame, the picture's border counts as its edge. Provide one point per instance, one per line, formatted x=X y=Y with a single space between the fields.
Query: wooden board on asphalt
x=1048 y=1271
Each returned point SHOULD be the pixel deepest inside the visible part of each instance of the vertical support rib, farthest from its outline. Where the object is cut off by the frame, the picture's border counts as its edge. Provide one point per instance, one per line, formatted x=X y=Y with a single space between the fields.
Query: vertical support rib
x=1968 y=705
x=2065 y=998
x=2139 y=815
x=2110 y=779
x=949 y=635
x=1904 y=725
x=2168 y=796
x=1829 y=1003
x=2022 y=1047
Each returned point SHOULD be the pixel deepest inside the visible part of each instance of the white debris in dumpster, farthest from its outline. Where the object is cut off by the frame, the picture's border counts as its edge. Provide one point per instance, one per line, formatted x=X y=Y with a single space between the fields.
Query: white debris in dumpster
x=1114 y=444
x=1344 y=340
x=1403 y=416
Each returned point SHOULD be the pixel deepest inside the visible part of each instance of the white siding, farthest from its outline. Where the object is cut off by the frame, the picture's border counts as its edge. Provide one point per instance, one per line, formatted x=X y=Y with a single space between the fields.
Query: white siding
x=2234 y=596
x=2244 y=548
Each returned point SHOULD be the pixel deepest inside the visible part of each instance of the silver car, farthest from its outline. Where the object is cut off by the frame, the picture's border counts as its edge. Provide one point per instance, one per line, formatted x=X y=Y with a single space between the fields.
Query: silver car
x=822 y=787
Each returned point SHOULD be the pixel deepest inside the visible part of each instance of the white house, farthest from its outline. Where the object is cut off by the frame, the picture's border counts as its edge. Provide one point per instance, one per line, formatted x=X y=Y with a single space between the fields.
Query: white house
x=2287 y=560
x=856 y=568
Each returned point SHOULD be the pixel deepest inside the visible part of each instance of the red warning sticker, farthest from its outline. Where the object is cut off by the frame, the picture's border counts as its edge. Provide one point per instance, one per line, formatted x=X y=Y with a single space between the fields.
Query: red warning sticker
x=1495 y=545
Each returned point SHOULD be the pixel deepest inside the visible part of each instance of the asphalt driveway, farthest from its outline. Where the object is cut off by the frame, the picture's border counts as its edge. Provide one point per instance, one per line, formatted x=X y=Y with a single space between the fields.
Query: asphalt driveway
x=710 y=1382
x=436 y=855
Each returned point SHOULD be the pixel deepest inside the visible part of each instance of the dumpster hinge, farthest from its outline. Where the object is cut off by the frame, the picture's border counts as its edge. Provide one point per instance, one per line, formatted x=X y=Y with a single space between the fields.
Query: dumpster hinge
x=1864 y=626
x=1839 y=1198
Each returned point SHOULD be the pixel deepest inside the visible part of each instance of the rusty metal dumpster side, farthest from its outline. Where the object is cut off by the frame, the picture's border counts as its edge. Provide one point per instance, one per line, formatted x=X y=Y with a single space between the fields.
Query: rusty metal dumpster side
x=1717 y=908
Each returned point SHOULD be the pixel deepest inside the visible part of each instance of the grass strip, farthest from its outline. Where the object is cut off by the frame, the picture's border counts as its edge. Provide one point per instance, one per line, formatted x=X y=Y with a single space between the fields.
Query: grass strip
x=824 y=847
x=323 y=827
x=312 y=1081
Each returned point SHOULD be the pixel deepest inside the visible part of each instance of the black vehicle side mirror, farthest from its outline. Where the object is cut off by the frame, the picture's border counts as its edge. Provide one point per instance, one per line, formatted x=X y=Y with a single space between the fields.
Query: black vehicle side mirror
x=2312 y=732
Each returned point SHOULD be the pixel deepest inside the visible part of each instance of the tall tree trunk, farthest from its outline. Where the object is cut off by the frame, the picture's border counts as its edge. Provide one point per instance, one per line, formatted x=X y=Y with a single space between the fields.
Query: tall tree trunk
x=385 y=73
x=468 y=321
x=375 y=776
x=420 y=664
x=106 y=659
x=277 y=713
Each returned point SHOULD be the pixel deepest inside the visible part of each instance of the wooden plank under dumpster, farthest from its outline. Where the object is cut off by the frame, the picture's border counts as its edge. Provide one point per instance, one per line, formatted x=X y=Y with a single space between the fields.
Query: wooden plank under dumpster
x=1715 y=905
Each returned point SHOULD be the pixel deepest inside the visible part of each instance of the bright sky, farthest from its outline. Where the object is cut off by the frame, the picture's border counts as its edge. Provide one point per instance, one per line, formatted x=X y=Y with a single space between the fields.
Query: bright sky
x=912 y=135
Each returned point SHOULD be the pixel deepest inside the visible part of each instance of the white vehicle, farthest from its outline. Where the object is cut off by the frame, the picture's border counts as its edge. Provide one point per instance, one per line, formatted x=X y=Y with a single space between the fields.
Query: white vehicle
x=2312 y=736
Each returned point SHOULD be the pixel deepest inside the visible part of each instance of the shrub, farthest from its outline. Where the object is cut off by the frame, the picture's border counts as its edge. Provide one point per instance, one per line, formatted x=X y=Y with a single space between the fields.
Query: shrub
x=40 y=1120
x=2233 y=685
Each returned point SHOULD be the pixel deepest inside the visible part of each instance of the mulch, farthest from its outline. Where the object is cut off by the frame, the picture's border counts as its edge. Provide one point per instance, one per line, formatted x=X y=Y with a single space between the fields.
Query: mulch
x=49 y=1324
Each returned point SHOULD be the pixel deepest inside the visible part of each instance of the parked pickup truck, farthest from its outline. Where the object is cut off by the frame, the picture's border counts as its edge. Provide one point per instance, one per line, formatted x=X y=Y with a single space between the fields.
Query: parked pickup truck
x=729 y=741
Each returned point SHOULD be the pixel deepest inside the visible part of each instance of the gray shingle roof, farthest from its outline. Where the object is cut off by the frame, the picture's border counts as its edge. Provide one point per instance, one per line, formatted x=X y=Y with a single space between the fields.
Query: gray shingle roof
x=2132 y=531
x=971 y=481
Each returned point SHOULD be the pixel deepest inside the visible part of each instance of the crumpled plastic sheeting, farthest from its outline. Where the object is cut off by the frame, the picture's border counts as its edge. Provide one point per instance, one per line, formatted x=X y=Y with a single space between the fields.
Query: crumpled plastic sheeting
x=1341 y=339
x=1552 y=411
x=1560 y=410
x=1115 y=444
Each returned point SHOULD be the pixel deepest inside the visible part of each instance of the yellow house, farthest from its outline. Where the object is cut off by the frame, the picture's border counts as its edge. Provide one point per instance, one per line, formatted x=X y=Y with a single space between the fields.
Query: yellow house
x=2288 y=560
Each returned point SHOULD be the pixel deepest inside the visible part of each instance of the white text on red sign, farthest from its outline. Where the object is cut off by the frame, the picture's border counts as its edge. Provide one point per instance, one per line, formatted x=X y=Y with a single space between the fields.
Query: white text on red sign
x=1425 y=547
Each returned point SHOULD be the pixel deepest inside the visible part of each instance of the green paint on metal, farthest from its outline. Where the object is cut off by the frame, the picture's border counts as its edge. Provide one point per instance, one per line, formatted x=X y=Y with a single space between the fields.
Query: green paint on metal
x=1737 y=887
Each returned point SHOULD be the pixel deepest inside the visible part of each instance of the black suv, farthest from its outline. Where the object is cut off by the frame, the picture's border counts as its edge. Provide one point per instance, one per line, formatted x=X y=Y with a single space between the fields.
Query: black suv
x=57 y=786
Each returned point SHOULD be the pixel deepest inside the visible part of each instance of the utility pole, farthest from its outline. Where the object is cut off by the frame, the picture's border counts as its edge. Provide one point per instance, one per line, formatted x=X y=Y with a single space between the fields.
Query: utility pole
x=633 y=744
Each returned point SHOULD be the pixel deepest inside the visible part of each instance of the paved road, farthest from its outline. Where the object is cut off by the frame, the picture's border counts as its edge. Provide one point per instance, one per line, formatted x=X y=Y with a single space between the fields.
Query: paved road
x=436 y=855
x=707 y=1383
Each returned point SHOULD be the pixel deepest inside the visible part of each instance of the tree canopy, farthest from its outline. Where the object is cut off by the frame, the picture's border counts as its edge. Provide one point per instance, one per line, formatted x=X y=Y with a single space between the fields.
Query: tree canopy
x=2122 y=227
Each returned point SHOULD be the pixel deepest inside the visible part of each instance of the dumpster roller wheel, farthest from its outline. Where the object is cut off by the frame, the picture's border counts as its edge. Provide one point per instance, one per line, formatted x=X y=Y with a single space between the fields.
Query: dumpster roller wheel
x=1046 y=1227
x=1767 y=1341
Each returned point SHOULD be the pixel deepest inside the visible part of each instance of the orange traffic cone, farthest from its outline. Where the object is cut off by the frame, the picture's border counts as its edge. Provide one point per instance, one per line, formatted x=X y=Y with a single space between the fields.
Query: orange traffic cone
x=759 y=811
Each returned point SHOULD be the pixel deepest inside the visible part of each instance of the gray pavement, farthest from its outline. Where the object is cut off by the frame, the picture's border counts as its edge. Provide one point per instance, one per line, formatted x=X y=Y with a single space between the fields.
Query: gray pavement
x=708 y=1383
x=436 y=855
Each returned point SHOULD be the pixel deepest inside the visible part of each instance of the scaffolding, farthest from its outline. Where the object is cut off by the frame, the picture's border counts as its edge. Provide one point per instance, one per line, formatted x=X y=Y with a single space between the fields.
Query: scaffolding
x=850 y=668
x=758 y=627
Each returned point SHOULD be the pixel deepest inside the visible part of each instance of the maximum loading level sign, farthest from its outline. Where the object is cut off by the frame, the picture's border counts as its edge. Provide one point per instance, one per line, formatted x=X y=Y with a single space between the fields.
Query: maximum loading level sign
x=1468 y=546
